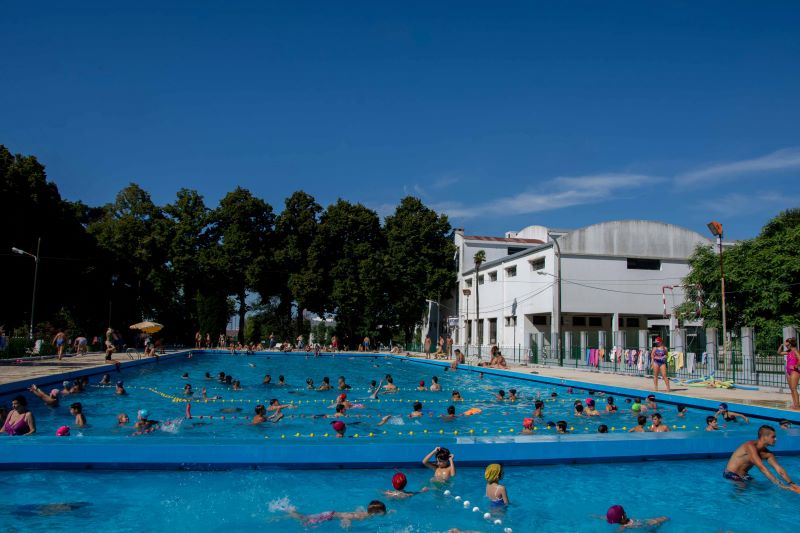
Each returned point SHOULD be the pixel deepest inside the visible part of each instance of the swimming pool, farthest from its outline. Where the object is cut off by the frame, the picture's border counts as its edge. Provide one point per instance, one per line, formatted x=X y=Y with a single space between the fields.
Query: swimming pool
x=219 y=435
x=544 y=498
x=226 y=413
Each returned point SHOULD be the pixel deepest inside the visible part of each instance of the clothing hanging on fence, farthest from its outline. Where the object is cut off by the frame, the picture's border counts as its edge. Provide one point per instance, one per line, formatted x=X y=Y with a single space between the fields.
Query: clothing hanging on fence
x=704 y=358
x=690 y=359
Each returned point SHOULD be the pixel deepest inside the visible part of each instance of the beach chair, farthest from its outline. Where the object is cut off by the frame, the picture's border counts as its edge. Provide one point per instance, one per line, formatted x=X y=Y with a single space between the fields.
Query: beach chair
x=37 y=348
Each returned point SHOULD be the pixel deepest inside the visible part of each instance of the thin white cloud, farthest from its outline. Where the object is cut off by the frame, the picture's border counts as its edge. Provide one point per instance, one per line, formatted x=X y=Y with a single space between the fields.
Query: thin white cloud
x=741 y=204
x=556 y=194
x=444 y=181
x=786 y=159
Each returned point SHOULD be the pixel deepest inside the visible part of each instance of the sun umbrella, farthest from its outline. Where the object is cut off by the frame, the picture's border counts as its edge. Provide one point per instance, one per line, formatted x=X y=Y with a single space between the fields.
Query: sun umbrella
x=148 y=327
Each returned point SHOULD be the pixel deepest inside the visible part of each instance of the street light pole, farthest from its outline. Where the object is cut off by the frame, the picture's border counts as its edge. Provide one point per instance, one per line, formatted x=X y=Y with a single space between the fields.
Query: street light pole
x=557 y=315
x=35 y=278
x=716 y=230
x=467 y=329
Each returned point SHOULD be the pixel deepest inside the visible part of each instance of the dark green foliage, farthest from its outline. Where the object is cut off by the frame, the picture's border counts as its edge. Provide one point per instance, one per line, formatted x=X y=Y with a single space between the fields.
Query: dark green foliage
x=418 y=262
x=191 y=267
x=762 y=279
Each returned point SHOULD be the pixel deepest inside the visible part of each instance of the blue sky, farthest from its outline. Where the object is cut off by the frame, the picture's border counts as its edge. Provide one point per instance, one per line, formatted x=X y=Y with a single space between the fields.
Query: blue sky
x=501 y=114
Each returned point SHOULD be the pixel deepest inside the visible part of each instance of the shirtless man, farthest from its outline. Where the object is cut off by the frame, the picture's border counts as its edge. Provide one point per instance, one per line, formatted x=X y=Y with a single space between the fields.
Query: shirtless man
x=60 y=341
x=754 y=453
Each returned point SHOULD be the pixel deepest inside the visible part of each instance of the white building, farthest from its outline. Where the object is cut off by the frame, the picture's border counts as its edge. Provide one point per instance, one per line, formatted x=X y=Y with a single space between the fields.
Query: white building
x=613 y=278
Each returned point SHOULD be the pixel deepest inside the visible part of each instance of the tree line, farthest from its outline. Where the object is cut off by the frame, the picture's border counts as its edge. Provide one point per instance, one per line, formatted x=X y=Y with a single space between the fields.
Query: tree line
x=191 y=266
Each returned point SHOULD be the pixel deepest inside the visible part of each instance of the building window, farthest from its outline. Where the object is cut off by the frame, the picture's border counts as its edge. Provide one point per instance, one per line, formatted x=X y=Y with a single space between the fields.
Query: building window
x=539 y=320
x=579 y=321
x=644 y=264
x=480 y=280
x=493 y=275
x=595 y=321
x=511 y=321
x=511 y=272
x=515 y=250
x=468 y=282
x=631 y=322
x=537 y=264
x=492 y=330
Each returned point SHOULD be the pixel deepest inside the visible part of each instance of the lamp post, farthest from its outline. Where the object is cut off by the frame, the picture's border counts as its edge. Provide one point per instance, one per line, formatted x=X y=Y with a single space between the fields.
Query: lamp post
x=716 y=230
x=431 y=302
x=557 y=315
x=467 y=329
x=35 y=277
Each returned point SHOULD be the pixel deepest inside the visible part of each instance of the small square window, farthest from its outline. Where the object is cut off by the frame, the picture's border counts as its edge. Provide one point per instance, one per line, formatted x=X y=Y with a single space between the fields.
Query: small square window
x=539 y=320
x=595 y=321
x=511 y=321
x=631 y=322
x=511 y=271
x=537 y=264
x=468 y=282
x=480 y=280
x=579 y=321
x=493 y=275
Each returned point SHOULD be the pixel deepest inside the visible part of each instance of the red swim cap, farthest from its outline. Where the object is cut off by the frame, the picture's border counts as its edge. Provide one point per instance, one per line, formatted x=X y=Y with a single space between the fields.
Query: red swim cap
x=399 y=481
x=338 y=425
x=614 y=514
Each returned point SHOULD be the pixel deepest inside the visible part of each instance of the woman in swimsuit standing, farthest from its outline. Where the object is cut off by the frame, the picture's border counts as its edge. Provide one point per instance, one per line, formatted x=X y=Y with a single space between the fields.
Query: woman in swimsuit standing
x=660 y=364
x=19 y=420
x=789 y=350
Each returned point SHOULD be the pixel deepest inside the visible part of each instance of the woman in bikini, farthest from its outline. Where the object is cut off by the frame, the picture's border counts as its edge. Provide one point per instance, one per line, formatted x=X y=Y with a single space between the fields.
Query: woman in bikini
x=789 y=350
x=19 y=420
x=660 y=364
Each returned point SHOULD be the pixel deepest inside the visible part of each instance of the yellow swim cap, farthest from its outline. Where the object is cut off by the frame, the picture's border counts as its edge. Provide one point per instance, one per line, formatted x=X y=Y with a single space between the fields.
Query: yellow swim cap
x=493 y=473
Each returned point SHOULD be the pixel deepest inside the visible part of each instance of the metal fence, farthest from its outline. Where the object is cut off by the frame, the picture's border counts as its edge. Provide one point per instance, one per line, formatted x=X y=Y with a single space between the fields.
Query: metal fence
x=749 y=360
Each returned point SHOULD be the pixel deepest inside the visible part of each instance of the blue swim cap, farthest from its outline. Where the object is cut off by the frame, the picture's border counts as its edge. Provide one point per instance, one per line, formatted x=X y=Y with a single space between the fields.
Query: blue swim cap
x=143 y=413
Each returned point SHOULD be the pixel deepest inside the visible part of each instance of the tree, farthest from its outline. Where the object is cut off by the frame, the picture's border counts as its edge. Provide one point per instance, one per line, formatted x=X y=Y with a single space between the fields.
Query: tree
x=419 y=261
x=296 y=229
x=68 y=287
x=479 y=258
x=188 y=223
x=350 y=242
x=134 y=232
x=761 y=281
x=243 y=226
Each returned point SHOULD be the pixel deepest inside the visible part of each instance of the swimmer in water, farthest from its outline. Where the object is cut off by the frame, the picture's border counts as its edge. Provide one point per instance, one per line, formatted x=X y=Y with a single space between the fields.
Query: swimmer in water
x=435 y=386
x=755 y=453
x=399 y=482
x=375 y=508
x=451 y=414
x=498 y=497
x=445 y=466
x=641 y=421
x=527 y=426
x=616 y=515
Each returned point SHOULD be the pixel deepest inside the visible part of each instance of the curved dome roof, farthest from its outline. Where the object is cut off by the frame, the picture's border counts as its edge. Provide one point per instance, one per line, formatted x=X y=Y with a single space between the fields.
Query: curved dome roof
x=633 y=238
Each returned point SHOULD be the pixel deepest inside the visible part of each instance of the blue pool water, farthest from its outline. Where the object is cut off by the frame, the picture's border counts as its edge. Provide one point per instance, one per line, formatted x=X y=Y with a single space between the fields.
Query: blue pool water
x=544 y=498
x=159 y=389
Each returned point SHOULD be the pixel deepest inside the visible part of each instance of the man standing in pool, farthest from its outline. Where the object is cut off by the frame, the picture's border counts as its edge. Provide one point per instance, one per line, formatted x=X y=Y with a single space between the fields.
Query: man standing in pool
x=755 y=452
